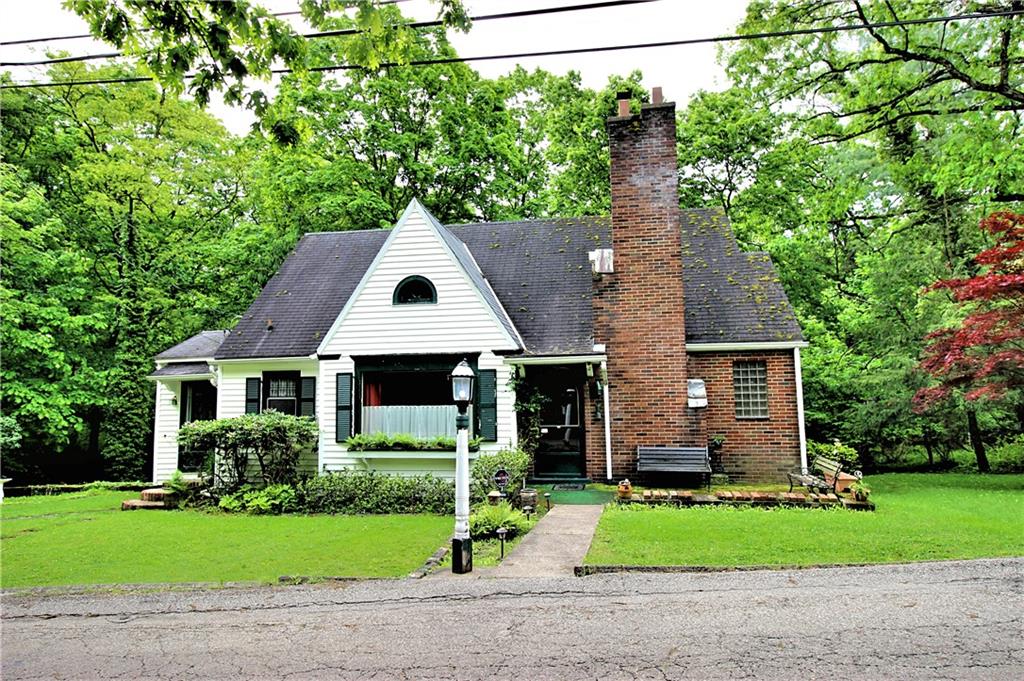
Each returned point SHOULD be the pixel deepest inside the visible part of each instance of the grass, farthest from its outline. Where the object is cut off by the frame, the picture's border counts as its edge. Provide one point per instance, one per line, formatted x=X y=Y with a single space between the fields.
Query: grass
x=919 y=517
x=83 y=538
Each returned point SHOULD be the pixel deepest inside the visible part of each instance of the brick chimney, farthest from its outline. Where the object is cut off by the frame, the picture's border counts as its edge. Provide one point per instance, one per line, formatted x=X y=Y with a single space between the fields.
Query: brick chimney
x=638 y=308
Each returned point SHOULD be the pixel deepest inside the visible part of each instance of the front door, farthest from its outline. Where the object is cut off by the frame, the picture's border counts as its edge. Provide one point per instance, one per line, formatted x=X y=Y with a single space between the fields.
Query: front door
x=198 y=403
x=560 y=450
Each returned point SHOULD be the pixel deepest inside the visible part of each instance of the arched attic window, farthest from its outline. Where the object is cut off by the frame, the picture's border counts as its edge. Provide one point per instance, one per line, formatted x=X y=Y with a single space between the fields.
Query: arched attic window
x=414 y=290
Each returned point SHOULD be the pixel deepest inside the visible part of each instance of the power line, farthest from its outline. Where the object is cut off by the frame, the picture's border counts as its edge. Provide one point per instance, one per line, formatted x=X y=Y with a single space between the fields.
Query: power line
x=353 y=31
x=81 y=36
x=581 y=50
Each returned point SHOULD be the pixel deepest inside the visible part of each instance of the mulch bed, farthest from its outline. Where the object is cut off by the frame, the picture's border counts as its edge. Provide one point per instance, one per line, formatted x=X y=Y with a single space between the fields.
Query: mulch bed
x=798 y=499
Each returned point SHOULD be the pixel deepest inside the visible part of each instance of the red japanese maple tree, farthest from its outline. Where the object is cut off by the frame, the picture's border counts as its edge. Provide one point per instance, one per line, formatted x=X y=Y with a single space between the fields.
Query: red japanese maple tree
x=984 y=355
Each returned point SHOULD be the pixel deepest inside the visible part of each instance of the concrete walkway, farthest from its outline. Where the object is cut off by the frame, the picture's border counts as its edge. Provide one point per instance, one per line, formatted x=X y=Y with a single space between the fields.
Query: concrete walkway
x=554 y=546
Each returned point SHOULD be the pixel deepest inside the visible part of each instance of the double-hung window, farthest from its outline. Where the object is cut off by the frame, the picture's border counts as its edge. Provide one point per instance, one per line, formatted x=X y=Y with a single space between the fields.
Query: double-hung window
x=283 y=394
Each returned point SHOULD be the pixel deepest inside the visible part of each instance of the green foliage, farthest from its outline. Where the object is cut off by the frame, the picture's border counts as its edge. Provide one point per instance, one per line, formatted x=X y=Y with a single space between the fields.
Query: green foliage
x=271 y=440
x=350 y=492
x=530 y=400
x=1007 y=457
x=269 y=500
x=177 y=484
x=382 y=442
x=514 y=461
x=209 y=47
x=10 y=433
x=485 y=520
x=834 y=450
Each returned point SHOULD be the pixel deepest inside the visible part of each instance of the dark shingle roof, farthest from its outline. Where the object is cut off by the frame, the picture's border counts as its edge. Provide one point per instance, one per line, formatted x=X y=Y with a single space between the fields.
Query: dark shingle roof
x=306 y=295
x=202 y=345
x=182 y=369
x=732 y=296
x=540 y=271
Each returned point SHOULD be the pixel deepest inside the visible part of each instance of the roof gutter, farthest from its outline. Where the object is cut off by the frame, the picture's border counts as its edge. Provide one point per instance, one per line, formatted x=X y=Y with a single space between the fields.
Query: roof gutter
x=298 y=358
x=741 y=347
x=557 y=359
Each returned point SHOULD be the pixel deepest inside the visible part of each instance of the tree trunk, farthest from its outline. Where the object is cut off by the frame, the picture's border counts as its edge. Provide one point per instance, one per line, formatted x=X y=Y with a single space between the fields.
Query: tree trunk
x=931 y=454
x=979 y=447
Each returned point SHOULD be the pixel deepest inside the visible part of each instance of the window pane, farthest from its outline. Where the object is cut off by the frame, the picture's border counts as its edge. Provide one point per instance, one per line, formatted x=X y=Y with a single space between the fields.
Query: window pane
x=282 y=387
x=750 y=383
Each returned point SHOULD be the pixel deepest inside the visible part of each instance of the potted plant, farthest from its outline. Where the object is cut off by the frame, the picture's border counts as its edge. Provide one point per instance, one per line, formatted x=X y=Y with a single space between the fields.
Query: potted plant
x=625 y=489
x=860 y=491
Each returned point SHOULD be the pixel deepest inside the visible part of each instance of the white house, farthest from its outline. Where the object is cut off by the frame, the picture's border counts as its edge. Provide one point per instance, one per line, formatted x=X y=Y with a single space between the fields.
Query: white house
x=360 y=329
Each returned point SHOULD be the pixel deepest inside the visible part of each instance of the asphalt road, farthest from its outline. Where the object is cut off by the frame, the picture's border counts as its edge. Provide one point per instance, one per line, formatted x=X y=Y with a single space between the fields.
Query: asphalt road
x=957 y=620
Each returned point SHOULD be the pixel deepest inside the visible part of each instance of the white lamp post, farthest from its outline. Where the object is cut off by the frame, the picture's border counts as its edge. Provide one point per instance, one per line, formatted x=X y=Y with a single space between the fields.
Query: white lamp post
x=462 y=544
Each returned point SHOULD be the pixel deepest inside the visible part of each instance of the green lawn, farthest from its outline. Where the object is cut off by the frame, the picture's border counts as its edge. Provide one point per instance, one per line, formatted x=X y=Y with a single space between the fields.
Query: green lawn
x=919 y=517
x=83 y=538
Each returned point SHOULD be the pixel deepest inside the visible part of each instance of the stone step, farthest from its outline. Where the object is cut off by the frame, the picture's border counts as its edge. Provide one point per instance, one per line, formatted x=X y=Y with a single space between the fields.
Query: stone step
x=137 y=504
x=155 y=494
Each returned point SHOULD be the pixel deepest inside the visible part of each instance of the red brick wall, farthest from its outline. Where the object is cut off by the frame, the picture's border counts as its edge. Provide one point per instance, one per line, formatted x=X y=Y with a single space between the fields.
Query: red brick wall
x=593 y=406
x=755 y=449
x=639 y=309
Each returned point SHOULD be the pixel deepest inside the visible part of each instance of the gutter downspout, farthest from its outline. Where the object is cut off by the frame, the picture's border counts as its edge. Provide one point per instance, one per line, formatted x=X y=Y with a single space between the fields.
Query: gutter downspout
x=608 y=422
x=798 y=372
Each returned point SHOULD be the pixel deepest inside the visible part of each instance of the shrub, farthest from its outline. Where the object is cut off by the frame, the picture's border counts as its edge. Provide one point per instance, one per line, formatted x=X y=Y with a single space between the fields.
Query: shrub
x=833 y=450
x=273 y=439
x=370 y=492
x=10 y=433
x=515 y=462
x=269 y=500
x=1007 y=457
x=486 y=519
x=383 y=442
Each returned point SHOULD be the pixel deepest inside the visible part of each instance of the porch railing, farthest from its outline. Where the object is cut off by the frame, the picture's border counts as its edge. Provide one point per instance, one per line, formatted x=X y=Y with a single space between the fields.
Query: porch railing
x=421 y=421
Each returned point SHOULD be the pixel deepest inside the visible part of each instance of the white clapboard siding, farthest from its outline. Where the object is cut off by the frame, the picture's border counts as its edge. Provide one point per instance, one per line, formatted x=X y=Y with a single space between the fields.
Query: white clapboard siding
x=165 y=431
x=231 y=382
x=333 y=456
x=460 y=321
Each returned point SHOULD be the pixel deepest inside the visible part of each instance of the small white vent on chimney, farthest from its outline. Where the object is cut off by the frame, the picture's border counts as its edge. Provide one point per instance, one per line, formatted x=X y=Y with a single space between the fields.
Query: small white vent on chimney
x=601 y=261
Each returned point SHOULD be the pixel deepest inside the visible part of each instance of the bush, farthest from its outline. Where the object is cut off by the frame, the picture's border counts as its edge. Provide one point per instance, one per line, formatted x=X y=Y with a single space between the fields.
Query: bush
x=486 y=519
x=370 y=492
x=273 y=439
x=10 y=433
x=1007 y=457
x=382 y=442
x=269 y=500
x=833 y=450
x=515 y=462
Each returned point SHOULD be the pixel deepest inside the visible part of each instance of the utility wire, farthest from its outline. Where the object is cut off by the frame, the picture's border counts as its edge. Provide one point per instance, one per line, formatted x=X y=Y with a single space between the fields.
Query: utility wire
x=80 y=36
x=353 y=31
x=580 y=50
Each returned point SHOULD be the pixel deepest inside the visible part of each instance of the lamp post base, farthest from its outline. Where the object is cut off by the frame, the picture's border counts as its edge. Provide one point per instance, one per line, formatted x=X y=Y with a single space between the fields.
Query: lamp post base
x=462 y=556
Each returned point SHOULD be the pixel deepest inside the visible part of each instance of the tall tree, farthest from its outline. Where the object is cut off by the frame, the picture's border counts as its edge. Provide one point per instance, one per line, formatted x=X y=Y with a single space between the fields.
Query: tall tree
x=119 y=193
x=203 y=46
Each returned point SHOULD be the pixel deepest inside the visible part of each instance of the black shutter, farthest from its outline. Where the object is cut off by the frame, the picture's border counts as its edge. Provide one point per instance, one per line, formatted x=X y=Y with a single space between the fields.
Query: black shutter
x=307 y=396
x=343 y=406
x=488 y=381
x=253 y=392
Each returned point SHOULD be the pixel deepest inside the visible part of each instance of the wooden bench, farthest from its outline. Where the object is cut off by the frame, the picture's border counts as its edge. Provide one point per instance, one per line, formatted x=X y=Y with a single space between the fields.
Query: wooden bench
x=674 y=460
x=818 y=482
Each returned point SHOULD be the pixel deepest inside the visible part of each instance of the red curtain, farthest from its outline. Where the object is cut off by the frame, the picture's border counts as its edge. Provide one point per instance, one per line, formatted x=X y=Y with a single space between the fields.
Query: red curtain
x=371 y=393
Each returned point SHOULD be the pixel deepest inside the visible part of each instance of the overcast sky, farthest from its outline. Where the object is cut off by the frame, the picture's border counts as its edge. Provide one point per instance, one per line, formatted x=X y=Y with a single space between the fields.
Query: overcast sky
x=681 y=71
